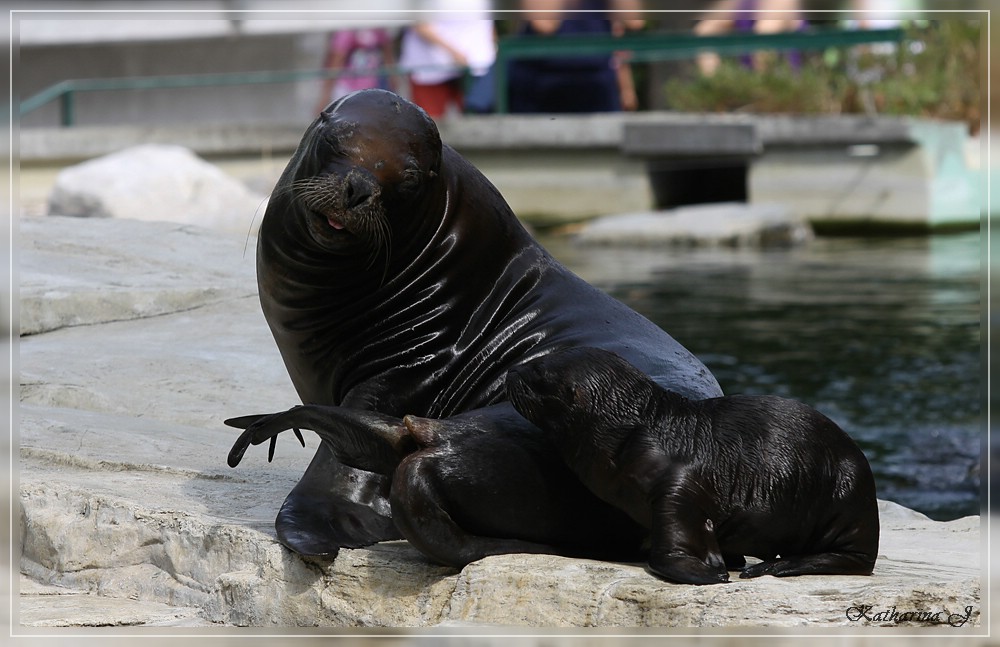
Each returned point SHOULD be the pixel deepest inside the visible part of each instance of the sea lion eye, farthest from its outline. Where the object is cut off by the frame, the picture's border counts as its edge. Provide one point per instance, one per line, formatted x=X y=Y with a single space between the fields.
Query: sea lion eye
x=410 y=181
x=379 y=165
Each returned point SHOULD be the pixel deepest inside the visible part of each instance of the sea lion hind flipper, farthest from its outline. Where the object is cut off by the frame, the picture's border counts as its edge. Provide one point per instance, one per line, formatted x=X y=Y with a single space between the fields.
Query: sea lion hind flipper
x=242 y=422
x=683 y=546
x=245 y=439
x=256 y=429
x=364 y=440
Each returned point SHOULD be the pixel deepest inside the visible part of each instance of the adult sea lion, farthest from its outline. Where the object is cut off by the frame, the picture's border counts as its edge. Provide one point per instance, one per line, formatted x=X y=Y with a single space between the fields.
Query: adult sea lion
x=395 y=278
x=714 y=480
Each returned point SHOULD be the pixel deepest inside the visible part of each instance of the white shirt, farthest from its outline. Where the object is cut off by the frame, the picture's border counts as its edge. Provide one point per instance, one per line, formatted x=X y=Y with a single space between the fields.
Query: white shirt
x=474 y=38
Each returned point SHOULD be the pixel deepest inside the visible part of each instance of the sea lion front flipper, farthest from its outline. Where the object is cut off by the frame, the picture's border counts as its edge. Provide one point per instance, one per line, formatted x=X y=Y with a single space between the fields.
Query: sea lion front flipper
x=334 y=506
x=831 y=563
x=683 y=546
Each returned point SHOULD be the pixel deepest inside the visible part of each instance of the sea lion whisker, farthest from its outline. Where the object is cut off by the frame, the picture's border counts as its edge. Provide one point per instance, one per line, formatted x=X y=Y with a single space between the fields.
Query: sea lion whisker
x=387 y=244
x=291 y=188
x=306 y=182
x=380 y=241
x=311 y=192
x=256 y=212
x=321 y=199
x=376 y=247
x=312 y=189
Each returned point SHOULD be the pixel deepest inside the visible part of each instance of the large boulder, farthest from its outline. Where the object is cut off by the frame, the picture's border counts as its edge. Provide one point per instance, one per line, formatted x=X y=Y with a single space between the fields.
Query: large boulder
x=155 y=182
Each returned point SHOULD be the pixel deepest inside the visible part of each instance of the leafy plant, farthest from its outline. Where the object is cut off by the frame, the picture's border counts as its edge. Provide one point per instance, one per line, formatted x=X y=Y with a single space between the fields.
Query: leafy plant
x=934 y=72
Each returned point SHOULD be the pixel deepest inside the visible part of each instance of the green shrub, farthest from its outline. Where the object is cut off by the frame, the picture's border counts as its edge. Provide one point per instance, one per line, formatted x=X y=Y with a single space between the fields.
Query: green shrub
x=934 y=72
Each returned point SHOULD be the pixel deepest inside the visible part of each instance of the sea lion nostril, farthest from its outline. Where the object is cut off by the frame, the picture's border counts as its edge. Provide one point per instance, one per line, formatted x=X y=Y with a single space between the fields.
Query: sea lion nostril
x=356 y=193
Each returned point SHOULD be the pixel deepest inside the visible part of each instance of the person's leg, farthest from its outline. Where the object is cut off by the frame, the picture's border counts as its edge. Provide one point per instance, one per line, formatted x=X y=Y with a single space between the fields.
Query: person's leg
x=432 y=98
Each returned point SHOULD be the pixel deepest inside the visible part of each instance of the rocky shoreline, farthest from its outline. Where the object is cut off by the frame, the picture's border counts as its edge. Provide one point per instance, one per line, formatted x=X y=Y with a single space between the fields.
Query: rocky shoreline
x=139 y=338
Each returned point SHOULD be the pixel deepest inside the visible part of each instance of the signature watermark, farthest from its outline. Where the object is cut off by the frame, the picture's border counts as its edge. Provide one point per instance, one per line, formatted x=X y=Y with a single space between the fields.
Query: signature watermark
x=892 y=615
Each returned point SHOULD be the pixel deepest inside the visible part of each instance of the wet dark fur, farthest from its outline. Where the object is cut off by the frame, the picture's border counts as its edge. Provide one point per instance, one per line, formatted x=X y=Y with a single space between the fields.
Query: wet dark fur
x=714 y=480
x=466 y=487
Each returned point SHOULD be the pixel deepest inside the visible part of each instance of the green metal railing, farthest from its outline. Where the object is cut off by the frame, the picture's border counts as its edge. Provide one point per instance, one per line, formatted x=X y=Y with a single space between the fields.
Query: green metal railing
x=642 y=48
x=65 y=91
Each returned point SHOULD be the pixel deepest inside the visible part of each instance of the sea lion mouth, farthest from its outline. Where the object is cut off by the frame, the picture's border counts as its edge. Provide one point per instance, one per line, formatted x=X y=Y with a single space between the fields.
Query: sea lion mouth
x=341 y=207
x=345 y=215
x=330 y=227
x=328 y=221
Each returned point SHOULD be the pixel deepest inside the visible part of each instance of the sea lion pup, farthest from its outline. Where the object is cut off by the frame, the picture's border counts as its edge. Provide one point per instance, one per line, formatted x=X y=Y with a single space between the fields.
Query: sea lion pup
x=466 y=487
x=714 y=480
x=395 y=278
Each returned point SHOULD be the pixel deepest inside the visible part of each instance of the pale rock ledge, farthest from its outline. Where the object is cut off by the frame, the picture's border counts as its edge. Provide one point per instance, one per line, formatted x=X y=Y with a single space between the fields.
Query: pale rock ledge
x=130 y=516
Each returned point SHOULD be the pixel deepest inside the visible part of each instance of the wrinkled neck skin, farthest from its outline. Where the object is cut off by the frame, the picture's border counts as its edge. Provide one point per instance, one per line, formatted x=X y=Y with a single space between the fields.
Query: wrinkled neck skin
x=385 y=334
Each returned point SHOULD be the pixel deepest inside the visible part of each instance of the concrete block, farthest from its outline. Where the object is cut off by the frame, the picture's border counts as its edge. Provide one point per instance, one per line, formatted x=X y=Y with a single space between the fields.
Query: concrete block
x=684 y=140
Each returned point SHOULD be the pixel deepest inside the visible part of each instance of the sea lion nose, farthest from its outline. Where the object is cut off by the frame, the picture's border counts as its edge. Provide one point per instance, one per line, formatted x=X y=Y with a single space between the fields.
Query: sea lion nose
x=356 y=192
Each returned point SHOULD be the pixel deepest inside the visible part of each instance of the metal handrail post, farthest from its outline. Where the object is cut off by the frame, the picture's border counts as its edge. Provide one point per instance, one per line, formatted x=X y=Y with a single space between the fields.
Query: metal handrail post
x=500 y=78
x=66 y=108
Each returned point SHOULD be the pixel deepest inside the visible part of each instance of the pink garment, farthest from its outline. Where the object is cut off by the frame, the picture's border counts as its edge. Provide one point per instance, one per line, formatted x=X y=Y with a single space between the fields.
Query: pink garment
x=364 y=52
